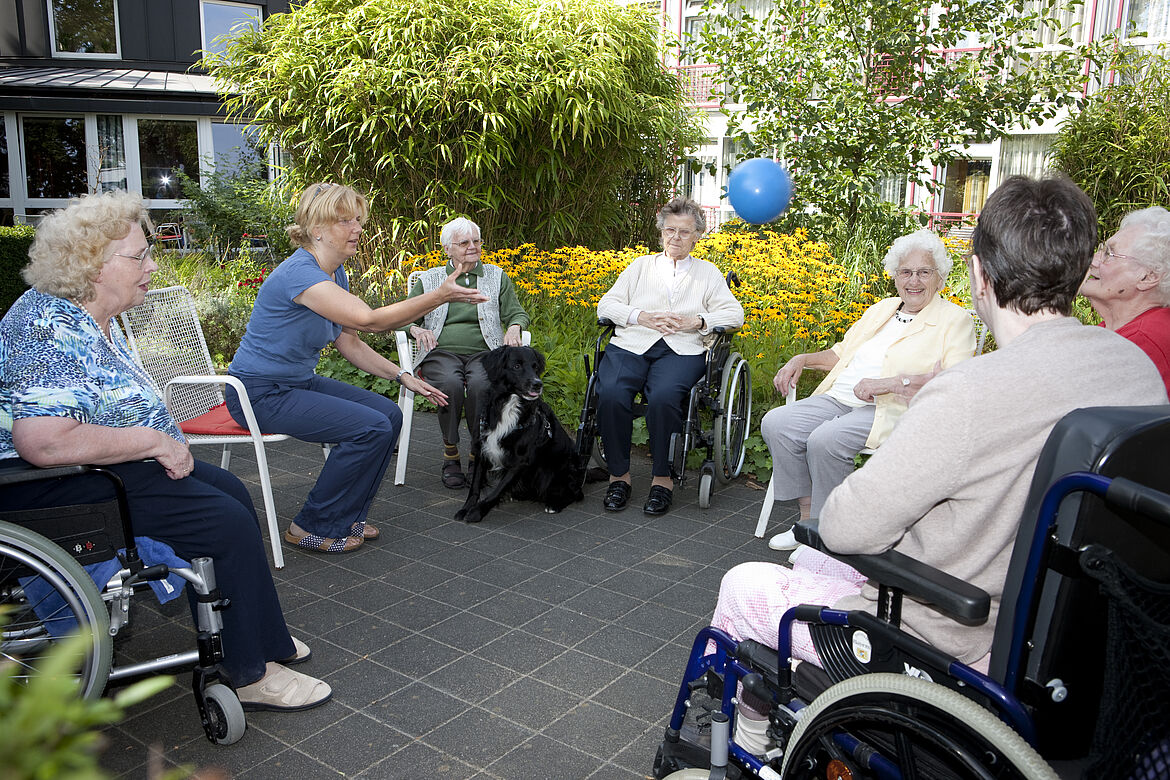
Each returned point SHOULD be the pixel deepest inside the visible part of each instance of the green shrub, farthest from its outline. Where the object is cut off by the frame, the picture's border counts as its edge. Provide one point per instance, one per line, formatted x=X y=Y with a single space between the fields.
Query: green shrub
x=14 y=244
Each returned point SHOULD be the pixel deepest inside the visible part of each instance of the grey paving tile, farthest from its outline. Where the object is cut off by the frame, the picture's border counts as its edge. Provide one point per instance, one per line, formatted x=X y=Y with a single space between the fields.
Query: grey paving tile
x=291 y=763
x=602 y=603
x=640 y=695
x=466 y=631
x=364 y=682
x=563 y=626
x=530 y=703
x=549 y=587
x=354 y=744
x=657 y=620
x=416 y=709
x=416 y=655
x=545 y=758
x=368 y=634
x=417 y=761
x=596 y=729
x=477 y=737
x=579 y=673
x=511 y=608
x=471 y=678
x=418 y=612
x=462 y=592
x=520 y=651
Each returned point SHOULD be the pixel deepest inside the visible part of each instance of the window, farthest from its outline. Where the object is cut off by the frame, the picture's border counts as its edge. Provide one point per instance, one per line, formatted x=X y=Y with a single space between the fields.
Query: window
x=111 y=154
x=238 y=150
x=892 y=189
x=84 y=28
x=1151 y=17
x=54 y=156
x=1025 y=155
x=966 y=186
x=167 y=146
x=221 y=20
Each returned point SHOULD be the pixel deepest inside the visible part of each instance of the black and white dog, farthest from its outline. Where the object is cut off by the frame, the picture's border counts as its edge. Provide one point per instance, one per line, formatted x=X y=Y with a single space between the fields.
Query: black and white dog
x=522 y=449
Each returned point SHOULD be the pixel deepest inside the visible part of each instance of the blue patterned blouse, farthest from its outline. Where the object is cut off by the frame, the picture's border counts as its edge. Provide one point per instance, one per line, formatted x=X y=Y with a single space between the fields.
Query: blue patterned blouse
x=55 y=362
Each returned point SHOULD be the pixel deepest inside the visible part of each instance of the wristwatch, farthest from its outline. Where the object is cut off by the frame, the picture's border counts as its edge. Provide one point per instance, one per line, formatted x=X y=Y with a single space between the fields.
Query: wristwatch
x=398 y=378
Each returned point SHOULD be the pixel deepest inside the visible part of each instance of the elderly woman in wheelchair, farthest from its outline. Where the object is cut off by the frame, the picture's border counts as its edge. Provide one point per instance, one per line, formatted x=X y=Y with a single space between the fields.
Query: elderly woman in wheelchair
x=664 y=305
x=942 y=501
x=72 y=393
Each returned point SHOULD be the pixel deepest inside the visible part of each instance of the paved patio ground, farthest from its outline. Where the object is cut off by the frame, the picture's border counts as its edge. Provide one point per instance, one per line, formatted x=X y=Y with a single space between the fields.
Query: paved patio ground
x=528 y=647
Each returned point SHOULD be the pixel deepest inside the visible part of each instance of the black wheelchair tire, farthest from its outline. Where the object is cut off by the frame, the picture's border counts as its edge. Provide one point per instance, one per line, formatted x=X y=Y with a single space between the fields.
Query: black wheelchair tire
x=733 y=425
x=956 y=736
x=23 y=638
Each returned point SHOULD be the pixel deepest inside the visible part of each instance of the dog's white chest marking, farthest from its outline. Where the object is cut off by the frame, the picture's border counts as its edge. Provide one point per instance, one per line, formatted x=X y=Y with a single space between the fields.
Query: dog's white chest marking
x=509 y=418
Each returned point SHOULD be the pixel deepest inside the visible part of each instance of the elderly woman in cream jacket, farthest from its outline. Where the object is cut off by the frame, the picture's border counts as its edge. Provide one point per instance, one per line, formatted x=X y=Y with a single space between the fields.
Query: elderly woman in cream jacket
x=664 y=306
x=886 y=356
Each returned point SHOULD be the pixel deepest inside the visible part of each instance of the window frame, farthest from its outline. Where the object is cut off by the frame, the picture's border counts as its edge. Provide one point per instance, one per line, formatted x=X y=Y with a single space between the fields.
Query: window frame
x=206 y=44
x=75 y=55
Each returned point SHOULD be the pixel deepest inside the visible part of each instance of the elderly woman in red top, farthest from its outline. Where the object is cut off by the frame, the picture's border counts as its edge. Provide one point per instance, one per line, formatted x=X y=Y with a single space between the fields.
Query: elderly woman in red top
x=1129 y=283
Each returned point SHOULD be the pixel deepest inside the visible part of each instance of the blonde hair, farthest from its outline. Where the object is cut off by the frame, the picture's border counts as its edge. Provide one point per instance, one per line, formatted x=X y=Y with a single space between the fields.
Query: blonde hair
x=323 y=204
x=72 y=244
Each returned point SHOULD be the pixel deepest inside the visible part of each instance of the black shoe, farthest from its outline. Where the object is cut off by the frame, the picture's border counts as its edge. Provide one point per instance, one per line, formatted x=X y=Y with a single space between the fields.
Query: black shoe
x=617 y=496
x=659 y=501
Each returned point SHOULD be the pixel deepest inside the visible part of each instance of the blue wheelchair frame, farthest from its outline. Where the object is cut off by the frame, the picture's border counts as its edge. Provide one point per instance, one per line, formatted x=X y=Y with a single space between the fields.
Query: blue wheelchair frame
x=741 y=662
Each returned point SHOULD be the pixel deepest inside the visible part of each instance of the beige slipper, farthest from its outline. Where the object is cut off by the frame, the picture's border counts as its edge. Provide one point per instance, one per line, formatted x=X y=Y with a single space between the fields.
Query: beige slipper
x=283 y=690
x=302 y=654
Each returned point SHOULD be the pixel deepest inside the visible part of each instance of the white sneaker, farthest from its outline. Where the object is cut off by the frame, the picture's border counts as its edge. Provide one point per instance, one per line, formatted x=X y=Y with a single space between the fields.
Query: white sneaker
x=784 y=541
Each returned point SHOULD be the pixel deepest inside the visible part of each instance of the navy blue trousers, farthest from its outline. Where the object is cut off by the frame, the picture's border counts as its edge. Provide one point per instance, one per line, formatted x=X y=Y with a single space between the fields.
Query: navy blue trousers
x=665 y=378
x=363 y=425
x=208 y=513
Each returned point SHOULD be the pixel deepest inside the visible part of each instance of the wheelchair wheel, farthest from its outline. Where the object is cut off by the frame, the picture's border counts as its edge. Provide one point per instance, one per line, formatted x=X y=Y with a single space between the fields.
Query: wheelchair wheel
x=48 y=595
x=225 y=715
x=914 y=727
x=589 y=447
x=706 y=482
x=731 y=427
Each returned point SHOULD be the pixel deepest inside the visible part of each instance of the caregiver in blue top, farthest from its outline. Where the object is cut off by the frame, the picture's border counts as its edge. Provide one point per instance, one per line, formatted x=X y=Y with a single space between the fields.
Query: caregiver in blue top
x=303 y=305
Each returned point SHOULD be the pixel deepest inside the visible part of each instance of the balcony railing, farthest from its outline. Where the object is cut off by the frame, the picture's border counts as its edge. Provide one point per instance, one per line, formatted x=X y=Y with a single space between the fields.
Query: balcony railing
x=700 y=84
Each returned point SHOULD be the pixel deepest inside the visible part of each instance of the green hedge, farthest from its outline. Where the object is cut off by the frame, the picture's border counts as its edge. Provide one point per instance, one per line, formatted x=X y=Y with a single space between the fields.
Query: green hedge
x=14 y=244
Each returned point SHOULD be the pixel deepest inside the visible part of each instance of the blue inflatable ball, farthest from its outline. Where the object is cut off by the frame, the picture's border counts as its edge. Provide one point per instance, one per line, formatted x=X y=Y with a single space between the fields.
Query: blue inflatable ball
x=759 y=190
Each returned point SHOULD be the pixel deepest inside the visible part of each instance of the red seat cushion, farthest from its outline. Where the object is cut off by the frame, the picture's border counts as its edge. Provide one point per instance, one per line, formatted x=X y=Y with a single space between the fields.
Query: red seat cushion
x=216 y=421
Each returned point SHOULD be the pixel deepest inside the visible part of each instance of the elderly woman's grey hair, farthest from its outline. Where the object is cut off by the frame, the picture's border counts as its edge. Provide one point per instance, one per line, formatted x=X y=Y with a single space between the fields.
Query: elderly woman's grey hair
x=460 y=226
x=924 y=240
x=1152 y=246
x=71 y=245
x=685 y=207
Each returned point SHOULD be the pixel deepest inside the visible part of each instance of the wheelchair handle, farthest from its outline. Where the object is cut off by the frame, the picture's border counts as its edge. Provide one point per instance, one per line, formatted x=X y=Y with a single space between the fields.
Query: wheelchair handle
x=1126 y=494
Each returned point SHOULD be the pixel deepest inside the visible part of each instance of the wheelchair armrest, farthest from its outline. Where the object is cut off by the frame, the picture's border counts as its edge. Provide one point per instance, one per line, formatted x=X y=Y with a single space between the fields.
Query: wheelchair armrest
x=606 y=322
x=952 y=596
x=22 y=474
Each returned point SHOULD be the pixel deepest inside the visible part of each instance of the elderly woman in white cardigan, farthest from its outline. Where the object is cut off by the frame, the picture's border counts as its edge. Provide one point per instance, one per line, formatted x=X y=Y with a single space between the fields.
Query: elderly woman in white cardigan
x=454 y=337
x=664 y=305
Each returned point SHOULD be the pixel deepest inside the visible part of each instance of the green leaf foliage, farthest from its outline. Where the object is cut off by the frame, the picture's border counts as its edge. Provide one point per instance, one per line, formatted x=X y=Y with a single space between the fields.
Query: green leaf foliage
x=46 y=729
x=546 y=121
x=1118 y=148
x=848 y=93
x=14 y=244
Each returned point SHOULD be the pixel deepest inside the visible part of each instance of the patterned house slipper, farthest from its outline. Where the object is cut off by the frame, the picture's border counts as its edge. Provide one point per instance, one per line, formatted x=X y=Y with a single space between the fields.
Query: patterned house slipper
x=303 y=653
x=366 y=532
x=321 y=544
x=283 y=690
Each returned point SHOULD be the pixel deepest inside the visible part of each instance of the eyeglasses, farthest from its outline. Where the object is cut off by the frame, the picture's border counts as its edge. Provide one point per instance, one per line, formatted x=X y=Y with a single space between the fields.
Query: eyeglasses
x=354 y=220
x=922 y=273
x=320 y=188
x=673 y=231
x=139 y=258
x=469 y=242
x=1108 y=255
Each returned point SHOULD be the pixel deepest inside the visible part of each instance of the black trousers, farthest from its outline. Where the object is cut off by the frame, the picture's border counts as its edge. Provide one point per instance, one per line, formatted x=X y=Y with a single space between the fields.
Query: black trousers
x=208 y=513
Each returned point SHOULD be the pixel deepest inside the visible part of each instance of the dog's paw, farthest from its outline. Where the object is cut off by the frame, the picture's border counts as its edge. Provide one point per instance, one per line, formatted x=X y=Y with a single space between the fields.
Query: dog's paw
x=472 y=515
x=548 y=510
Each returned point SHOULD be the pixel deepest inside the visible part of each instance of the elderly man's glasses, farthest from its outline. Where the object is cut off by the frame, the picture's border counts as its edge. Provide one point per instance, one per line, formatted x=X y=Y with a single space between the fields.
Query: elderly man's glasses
x=922 y=273
x=1108 y=255
x=139 y=258
x=673 y=231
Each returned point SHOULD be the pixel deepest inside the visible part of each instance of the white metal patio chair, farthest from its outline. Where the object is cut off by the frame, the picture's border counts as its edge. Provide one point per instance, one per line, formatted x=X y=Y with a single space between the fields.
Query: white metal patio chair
x=790 y=397
x=166 y=336
x=407 y=359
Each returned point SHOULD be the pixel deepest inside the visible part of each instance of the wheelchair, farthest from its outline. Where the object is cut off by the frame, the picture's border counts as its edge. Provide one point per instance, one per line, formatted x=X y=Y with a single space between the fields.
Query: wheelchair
x=718 y=418
x=1079 y=679
x=46 y=594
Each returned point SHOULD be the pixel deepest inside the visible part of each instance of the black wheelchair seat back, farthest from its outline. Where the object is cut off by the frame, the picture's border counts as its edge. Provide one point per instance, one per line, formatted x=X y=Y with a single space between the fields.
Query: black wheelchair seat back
x=1060 y=666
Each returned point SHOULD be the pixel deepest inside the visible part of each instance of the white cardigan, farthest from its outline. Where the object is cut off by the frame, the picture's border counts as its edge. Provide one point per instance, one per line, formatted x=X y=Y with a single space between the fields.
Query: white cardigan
x=704 y=291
